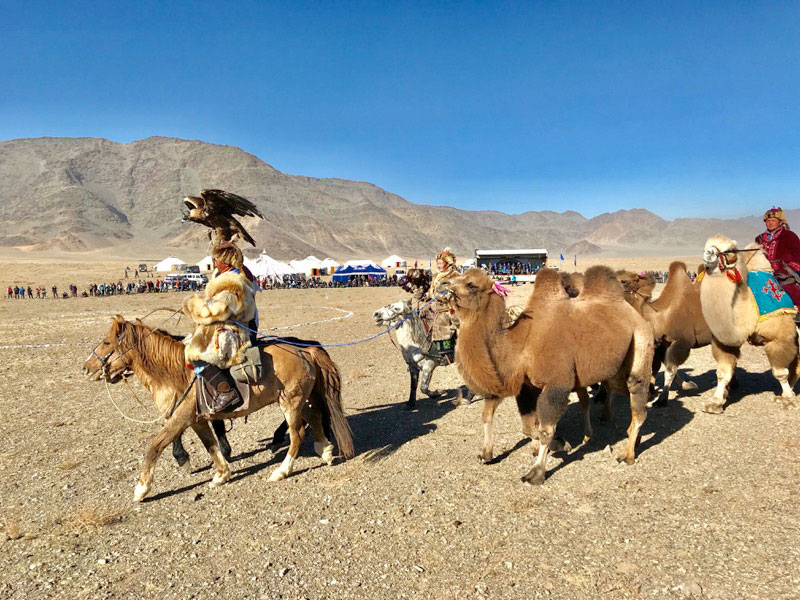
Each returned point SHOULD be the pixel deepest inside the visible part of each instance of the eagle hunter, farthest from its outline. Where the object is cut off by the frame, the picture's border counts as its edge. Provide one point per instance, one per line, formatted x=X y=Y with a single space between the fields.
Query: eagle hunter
x=216 y=209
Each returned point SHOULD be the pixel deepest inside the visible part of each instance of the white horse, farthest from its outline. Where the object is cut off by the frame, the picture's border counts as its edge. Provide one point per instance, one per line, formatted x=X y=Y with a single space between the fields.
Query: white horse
x=414 y=343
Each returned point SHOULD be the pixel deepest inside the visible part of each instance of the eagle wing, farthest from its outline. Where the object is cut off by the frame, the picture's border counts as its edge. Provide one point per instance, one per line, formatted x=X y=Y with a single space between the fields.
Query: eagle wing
x=216 y=209
x=220 y=201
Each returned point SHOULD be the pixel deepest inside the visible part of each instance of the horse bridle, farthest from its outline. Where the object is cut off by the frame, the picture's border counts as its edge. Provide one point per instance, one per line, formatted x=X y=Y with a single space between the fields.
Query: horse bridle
x=104 y=362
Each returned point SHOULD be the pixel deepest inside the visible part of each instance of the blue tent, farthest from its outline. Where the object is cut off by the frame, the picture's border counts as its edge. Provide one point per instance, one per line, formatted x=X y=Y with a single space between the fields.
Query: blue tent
x=343 y=274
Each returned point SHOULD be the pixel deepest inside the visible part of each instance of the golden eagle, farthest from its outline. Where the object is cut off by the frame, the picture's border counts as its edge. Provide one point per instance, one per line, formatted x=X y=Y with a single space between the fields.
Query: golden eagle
x=215 y=209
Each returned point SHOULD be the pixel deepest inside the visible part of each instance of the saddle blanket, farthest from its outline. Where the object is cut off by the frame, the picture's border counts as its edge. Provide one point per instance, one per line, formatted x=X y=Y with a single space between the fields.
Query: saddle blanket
x=770 y=297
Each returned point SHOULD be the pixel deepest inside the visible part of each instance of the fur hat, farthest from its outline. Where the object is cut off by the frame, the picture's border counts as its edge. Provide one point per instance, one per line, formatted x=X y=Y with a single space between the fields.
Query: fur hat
x=447 y=256
x=775 y=213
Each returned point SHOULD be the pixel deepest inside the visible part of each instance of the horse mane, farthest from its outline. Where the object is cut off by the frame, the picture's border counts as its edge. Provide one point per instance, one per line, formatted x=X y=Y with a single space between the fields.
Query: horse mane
x=158 y=352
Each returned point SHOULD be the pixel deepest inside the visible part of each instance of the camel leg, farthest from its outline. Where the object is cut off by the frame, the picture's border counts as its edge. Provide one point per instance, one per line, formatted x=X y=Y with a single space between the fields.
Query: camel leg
x=726 y=357
x=638 y=389
x=428 y=366
x=782 y=355
x=296 y=433
x=583 y=397
x=607 y=396
x=676 y=355
x=487 y=415
x=413 y=371
x=551 y=406
x=526 y=405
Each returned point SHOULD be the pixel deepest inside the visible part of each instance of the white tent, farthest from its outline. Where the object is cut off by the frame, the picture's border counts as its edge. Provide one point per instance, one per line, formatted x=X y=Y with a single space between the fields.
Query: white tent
x=207 y=264
x=328 y=265
x=393 y=261
x=170 y=264
x=360 y=263
x=266 y=266
x=307 y=265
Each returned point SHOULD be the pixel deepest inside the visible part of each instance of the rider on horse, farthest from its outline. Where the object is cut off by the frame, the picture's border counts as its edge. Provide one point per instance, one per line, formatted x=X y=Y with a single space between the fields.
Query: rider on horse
x=438 y=316
x=218 y=342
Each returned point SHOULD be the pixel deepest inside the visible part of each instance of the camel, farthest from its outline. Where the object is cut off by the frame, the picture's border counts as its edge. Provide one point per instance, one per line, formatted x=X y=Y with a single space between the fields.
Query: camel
x=676 y=317
x=556 y=346
x=306 y=384
x=730 y=310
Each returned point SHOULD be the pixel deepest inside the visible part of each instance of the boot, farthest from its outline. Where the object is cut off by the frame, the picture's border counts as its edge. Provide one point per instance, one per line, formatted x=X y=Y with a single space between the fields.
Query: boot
x=226 y=396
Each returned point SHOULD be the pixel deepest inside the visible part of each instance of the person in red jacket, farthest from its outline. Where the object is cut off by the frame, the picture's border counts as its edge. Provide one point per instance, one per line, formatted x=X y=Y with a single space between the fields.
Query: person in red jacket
x=782 y=248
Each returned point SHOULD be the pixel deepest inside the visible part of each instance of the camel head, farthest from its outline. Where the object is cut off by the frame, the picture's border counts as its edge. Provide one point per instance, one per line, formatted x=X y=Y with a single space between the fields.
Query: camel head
x=639 y=284
x=471 y=292
x=720 y=254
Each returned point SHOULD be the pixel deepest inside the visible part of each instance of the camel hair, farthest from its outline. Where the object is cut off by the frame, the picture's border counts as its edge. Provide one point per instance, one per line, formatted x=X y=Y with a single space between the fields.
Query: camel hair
x=676 y=317
x=557 y=345
x=730 y=311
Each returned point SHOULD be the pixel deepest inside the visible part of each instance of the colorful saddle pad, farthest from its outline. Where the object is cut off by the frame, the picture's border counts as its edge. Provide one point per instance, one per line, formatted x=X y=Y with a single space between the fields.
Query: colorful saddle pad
x=770 y=297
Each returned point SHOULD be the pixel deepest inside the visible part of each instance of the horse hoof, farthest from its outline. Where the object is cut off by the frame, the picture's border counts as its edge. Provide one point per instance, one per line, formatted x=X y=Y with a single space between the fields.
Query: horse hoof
x=787 y=401
x=626 y=457
x=688 y=386
x=219 y=480
x=485 y=457
x=534 y=477
x=559 y=445
x=277 y=475
x=714 y=408
x=433 y=394
x=661 y=403
x=411 y=405
x=139 y=492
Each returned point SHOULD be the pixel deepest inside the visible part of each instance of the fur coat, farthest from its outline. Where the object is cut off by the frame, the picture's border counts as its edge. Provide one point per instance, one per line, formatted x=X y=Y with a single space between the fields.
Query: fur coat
x=229 y=297
x=439 y=316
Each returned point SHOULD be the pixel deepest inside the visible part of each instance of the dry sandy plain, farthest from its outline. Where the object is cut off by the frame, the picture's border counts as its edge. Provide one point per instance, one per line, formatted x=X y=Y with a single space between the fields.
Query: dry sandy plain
x=710 y=509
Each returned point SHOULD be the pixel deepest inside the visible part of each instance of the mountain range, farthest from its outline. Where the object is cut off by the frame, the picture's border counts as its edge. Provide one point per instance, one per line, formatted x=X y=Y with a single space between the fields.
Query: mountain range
x=80 y=194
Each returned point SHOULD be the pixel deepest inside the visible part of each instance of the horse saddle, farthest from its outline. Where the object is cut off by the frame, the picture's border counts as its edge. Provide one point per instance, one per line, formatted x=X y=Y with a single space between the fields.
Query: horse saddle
x=219 y=392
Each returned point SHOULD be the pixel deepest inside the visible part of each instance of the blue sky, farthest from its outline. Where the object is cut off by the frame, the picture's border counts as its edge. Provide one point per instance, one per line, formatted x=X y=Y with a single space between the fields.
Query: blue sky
x=683 y=108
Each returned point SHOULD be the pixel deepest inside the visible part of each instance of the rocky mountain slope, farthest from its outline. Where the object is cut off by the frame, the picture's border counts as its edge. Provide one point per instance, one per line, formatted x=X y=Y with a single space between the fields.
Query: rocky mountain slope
x=80 y=194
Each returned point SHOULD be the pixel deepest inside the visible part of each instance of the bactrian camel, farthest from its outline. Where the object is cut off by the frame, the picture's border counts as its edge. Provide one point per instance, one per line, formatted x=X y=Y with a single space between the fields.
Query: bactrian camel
x=676 y=317
x=729 y=309
x=557 y=345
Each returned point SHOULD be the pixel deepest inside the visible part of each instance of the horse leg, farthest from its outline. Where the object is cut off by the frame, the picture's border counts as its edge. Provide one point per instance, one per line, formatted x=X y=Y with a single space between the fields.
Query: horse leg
x=222 y=437
x=489 y=406
x=726 y=357
x=638 y=390
x=413 y=371
x=428 y=365
x=294 y=420
x=676 y=355
x=278 y=436
x=173 y=427
x=551 y=406
x=222 y=471
x=322 y=444
x=179 y=452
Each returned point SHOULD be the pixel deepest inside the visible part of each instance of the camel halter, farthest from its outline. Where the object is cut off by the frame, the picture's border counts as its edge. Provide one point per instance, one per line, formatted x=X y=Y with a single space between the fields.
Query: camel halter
x=726 y=261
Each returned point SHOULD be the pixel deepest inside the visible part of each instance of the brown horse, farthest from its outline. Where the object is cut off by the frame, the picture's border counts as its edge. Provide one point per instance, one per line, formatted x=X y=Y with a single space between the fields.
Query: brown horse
x=304 y=381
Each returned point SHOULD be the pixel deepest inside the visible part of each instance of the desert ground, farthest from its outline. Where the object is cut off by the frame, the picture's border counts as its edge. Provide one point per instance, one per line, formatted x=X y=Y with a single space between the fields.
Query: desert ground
x=710 y=508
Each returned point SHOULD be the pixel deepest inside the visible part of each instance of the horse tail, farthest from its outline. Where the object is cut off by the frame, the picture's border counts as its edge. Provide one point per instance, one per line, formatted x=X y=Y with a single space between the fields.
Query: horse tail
x=328 y=389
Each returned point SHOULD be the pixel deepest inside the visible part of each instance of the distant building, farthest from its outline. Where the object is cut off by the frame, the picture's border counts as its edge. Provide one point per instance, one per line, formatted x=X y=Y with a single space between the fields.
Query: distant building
x=523 y=263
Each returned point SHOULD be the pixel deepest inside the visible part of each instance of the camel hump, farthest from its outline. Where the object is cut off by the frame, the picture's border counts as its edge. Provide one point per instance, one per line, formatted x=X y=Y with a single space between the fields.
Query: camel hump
x=677 y=268
x=548 y=286
x=600 y=282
